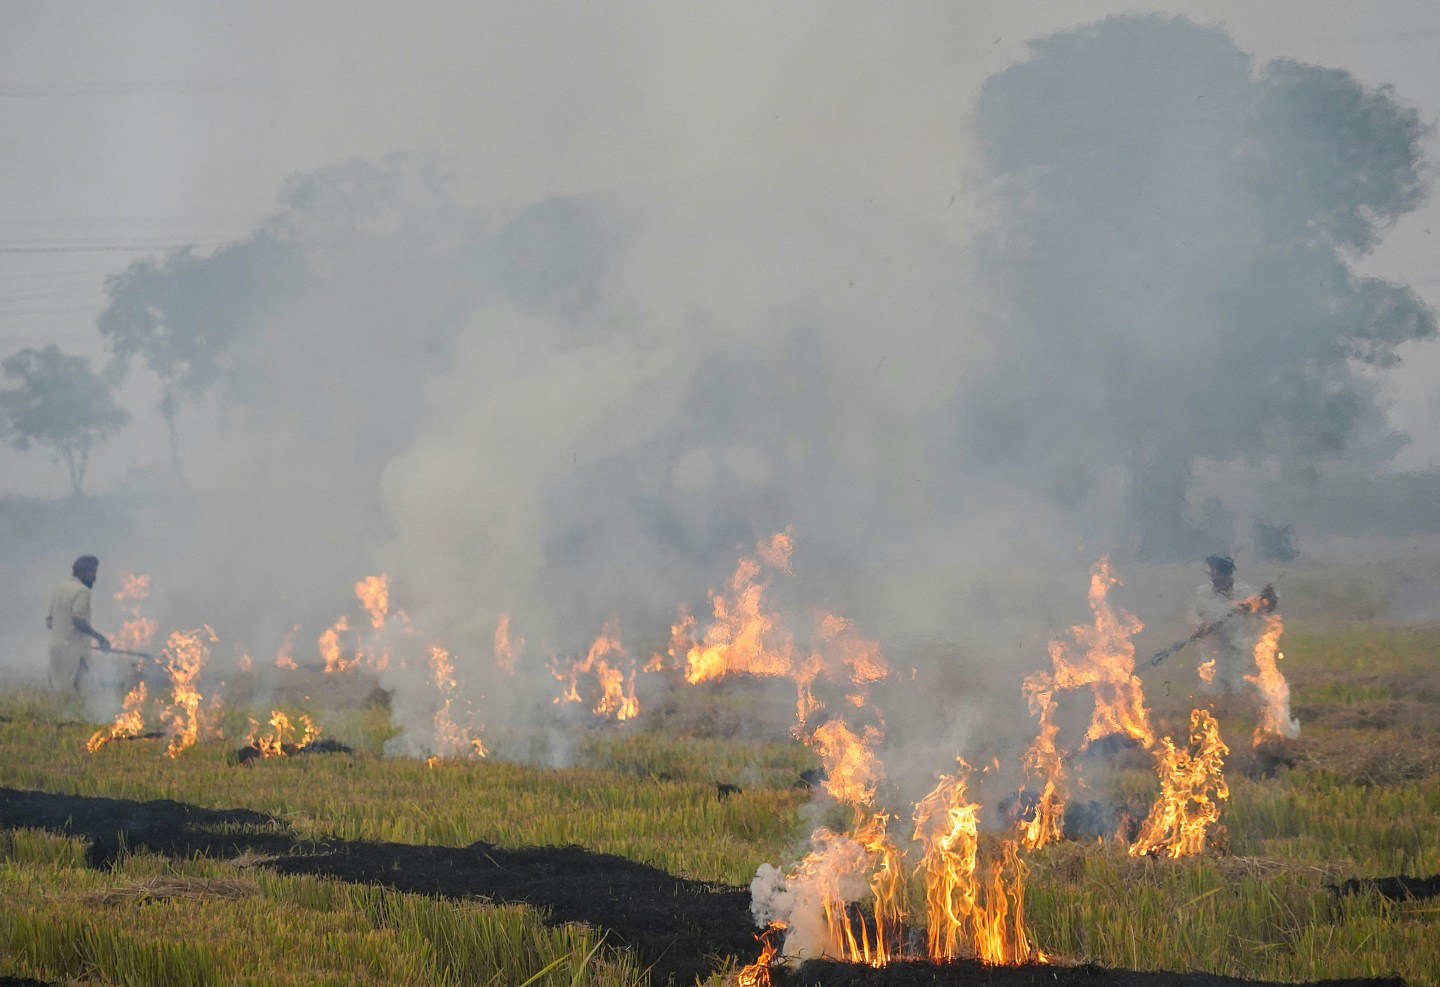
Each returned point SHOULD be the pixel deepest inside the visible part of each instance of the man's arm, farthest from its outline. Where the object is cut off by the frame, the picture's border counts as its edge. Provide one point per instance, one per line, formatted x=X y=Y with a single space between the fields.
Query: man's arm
x=83 y=626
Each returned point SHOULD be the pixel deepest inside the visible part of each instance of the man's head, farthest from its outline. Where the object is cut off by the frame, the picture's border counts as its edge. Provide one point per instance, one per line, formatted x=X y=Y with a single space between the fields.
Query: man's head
x=1222 y=572
x=85 y=569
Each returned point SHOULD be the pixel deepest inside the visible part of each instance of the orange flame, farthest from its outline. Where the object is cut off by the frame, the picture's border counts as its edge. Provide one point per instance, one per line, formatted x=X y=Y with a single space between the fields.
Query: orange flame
x=852 y=770
x=1275 y=715
x=329 y=643
x=285 y=658
x=373 y=592
x=452 y=739
x=282 y=735
x=185 y=653
x=129 y=723
x=1107 y=665
x=506 y=648
x=966 y=916
x=616 y=682
x=744 y=637
x=757 y=974
x=1044 y=761
x=136 y=630
x=1191 y=785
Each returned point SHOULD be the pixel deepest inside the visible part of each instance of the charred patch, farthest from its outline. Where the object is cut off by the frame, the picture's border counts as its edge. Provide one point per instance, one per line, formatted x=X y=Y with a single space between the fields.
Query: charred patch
x=246 y=756
x=825 y=973
x=1398 y=888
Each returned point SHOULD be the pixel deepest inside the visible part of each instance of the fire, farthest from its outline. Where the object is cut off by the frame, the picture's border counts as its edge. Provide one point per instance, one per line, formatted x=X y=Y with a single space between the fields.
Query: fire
x=1275 y=715
x=966 y=916
x=757 y=974
x=185 y=653
x=452 y=739
x=1107 y=665
x=682 y=640
x=1044 y=760
x=744 y=637
x=282 y=735
x=129 y=723
x=329 y=643
x=506 y=647
x=285 y=658
x=614 y=672
x=851 y=768
x=1191 y=785
x=136 y=630
x=373 y=592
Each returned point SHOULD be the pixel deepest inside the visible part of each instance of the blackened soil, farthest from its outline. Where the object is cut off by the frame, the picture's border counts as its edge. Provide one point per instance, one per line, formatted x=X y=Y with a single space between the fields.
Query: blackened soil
x=971 y=974
x=249 y=754
x=681 y=929
x=1395 y=888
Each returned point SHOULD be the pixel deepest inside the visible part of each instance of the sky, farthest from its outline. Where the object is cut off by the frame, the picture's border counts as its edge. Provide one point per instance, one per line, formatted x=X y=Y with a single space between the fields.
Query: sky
x=755 y=191
x=143 y=126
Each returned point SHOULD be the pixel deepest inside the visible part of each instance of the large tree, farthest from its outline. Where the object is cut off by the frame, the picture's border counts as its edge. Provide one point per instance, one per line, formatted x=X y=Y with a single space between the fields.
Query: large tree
x=182 y=316
x=59 y=403
x=1172 y=265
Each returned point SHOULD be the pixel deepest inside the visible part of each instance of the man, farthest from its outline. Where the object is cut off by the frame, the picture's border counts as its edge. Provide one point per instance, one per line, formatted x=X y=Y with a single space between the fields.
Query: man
x=1228 y=625
x=69 y=623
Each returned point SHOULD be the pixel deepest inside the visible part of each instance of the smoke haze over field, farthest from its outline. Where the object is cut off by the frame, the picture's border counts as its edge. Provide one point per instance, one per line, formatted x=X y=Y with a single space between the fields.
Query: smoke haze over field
x=955 y=331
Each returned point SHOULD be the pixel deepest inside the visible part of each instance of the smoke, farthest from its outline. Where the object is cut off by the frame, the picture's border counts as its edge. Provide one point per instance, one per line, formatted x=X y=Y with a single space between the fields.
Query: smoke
x=570 y=404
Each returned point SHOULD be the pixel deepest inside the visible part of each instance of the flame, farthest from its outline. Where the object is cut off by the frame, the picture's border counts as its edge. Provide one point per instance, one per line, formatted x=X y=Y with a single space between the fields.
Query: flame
x=1191 y=785
x=744 y=637
x=185 y=653
x=373 y=592
x=283 y=733
x=1275 y=715
x=136 y=630
x=757 y=974
x=285 y=658
x=452 y=739
x=965 y=916
x=682 y=640
x=852 y=770
x=1043 y=760
x=615 y=681
x=329 y=643
x=1107 y=666
x=129 y=723
x=506 y=649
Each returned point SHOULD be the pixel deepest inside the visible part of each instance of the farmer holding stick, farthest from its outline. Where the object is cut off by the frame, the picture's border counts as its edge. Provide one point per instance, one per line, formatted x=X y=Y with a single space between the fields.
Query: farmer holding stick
x=1228 y=625
x=69 y=623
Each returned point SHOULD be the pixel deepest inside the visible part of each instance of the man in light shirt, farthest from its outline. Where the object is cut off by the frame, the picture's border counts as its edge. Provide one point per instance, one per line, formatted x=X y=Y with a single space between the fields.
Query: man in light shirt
x=69 y=623
x=1229 y=622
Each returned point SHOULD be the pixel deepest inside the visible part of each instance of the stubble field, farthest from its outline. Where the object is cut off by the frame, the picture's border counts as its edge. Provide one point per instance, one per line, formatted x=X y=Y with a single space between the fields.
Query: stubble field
x=354 y=868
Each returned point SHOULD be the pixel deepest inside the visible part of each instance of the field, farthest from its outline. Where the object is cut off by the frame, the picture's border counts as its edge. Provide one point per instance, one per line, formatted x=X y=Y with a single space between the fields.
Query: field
x=352 y=868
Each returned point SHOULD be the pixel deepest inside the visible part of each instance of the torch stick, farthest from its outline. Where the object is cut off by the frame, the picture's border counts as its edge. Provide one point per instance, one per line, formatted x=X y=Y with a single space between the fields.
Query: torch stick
x=1265 y=601
x=122 y=651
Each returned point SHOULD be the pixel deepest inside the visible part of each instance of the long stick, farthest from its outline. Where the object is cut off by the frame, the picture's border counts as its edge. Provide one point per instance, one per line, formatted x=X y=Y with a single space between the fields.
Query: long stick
x=1264 y=600
x=122 y=651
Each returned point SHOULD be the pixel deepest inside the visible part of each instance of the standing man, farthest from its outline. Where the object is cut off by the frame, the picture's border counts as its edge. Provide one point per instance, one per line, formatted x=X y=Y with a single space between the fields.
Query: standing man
x=69 y=623
x=1229 y=625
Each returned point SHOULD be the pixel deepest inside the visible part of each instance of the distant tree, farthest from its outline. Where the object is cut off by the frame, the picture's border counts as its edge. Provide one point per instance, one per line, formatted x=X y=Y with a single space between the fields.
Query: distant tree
x=59 y=403
x=1171 y=270
x=182 y=315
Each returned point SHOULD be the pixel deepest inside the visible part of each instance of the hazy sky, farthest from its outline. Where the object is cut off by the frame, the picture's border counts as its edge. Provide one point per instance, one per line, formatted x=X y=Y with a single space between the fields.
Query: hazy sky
x=132 y=127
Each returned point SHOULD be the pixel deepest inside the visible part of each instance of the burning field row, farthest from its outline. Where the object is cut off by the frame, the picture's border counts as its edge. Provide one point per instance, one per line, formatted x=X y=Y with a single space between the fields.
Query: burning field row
x=988 y=862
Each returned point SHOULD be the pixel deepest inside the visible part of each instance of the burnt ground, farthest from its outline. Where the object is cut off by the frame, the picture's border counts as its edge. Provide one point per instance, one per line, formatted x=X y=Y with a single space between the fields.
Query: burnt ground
x=681 y=929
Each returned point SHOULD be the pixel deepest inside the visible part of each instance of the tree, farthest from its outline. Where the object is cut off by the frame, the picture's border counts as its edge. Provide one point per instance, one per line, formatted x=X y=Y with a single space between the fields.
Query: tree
x=183 y=315
x=60 y=403
x=1172 y=269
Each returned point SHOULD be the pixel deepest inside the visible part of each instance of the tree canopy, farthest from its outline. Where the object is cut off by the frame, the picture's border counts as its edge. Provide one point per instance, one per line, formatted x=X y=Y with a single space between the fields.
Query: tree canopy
x=59 y=403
